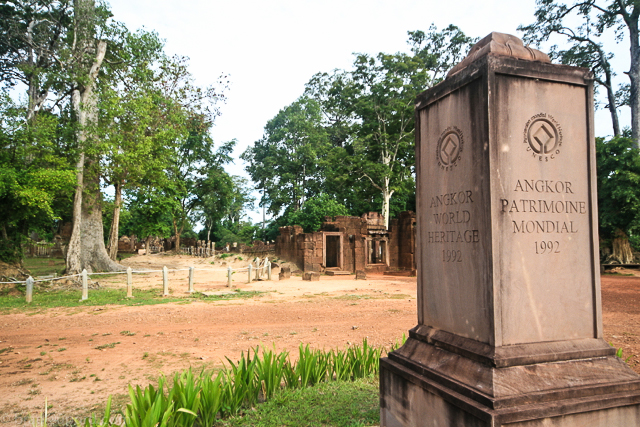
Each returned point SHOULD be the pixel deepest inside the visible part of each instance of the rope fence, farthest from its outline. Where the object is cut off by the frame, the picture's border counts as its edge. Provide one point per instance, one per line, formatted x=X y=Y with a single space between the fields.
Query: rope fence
x=261 y=269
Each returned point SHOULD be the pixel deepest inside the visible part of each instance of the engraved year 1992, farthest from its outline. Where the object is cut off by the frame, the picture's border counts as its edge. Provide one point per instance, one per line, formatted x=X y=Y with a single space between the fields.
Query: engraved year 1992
x=451 y=255
x=548 y=247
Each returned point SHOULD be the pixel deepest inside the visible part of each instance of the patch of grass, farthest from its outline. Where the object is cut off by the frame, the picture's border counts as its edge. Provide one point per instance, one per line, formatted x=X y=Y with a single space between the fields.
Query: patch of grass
x=43 y=298
x=104 y=346
x=399 y=296
x=5 y=350
x=62 y=349
x=44 y=266
x=335 y=403
x=351 y=297
x=23 y=381
x=238 y=293
x=127 y=333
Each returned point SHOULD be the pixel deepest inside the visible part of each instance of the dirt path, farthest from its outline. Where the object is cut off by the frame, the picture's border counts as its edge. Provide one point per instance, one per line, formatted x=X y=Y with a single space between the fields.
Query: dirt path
x=55 y=354
x=77 y=357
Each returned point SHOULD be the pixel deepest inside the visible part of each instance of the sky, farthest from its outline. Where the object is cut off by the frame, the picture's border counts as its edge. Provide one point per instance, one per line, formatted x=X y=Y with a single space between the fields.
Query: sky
x=271 y=48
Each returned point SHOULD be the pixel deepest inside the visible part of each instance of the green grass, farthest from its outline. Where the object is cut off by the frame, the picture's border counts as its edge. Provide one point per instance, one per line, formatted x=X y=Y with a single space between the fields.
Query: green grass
x=43 y=298
x=42 y=267
x=335 y=404
x=71 y=298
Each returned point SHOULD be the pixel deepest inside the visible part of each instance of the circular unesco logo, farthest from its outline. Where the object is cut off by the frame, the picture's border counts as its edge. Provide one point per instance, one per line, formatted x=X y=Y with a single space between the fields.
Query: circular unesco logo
x=449 y=149
x=543 y=137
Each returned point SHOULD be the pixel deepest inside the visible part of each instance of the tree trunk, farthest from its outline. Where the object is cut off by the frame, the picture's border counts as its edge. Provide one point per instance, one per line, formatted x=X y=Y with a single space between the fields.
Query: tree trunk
x=94 y=255
x=86 y=246
x=147 y=246
x=115 y=223
x=611 y=97
x=634 y=76
x=74 y=248
x=176 y=233
x=622 y=248
x=386 y=202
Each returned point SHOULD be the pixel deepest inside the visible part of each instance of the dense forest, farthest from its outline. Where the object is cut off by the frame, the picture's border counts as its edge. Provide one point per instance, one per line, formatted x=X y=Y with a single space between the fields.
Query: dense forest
x=103 y=130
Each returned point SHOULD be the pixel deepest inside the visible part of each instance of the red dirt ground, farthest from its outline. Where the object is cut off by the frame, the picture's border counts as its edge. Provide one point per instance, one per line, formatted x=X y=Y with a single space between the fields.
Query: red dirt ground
x=332 y=313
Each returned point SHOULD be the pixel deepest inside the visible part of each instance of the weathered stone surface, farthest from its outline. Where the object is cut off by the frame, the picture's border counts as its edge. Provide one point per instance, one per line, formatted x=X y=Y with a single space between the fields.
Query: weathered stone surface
x=361 y=275
x=345 y=243
x=285 y=273
x=313 y=276
x=509 y=316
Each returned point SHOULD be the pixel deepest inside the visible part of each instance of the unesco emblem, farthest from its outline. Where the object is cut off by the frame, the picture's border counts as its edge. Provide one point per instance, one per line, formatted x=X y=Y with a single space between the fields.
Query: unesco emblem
x=543 y=137
x=449 y=149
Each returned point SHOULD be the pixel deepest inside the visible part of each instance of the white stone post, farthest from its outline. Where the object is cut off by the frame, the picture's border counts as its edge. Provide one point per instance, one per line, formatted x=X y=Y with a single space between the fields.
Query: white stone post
x=29 y=289
x=268 y=270
x=85 y=285
x=129 y=283
x=165 y=281
x=249 y=270
x=191 y=269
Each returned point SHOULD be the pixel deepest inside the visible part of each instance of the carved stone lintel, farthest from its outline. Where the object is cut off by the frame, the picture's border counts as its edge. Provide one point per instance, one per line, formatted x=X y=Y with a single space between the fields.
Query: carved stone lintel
x=500 y=44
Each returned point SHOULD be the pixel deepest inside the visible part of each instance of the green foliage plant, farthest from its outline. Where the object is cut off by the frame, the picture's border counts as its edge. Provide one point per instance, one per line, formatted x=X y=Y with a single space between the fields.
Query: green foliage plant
x=149 y=407
x=204 y=399
x=618 y=174
x=271 y=369
x=211 y=398
x=241 y=385
x=186 y=396
x=311 y=366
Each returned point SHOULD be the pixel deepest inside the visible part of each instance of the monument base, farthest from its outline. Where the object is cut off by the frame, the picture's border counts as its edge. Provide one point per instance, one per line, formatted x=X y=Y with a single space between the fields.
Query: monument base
x=438 y=379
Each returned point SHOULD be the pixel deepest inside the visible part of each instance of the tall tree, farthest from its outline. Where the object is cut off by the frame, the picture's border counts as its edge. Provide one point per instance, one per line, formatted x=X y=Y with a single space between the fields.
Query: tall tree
x=618 y=197
x=595 y=17
x=585 y=48
x=36 y=177
x=284 y=163
x=370 y=109
x=86 y=246
x=32 y=47
x=137 y=125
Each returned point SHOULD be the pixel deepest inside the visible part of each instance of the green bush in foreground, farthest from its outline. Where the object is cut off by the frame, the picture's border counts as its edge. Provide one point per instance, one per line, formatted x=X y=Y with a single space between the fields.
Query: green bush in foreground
x=202 y=400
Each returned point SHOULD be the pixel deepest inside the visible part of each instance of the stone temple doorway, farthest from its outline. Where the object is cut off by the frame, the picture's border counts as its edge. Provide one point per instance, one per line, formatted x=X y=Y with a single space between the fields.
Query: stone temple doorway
x=332 y=253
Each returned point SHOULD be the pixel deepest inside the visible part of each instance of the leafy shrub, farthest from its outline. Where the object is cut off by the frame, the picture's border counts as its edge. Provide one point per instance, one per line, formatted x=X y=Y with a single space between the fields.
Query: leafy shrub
x=259 y=376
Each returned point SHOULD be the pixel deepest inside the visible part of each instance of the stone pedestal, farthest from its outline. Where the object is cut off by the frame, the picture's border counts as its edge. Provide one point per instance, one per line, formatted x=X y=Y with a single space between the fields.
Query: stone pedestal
x=509 y=314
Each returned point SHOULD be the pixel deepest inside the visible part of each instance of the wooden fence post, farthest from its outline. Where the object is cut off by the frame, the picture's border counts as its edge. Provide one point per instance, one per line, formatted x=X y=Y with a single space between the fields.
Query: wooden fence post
x=191 y=269
x=29 y=289
x=129 y=283
x=229 y=272
x=165 y=281
x=85 y=285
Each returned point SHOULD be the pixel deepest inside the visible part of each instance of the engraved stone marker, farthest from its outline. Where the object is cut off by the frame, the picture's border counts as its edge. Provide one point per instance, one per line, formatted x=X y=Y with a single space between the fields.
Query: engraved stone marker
x=509 y=316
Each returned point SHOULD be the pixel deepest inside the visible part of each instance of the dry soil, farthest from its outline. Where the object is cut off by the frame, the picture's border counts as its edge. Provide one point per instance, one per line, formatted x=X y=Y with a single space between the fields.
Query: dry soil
x=331 y=313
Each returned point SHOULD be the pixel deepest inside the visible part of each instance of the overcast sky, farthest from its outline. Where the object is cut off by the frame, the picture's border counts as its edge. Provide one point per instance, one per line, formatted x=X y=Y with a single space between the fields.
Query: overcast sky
x=271 y=48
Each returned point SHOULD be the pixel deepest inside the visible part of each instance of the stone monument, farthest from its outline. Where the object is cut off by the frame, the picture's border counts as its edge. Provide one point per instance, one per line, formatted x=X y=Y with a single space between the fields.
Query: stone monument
x=509 y=315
